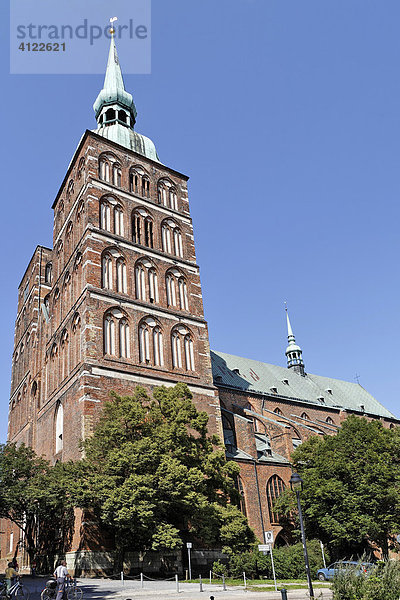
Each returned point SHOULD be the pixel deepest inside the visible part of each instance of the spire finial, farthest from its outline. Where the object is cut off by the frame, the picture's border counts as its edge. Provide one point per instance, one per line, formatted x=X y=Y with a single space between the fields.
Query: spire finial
x=293 y=351
x=112 y=30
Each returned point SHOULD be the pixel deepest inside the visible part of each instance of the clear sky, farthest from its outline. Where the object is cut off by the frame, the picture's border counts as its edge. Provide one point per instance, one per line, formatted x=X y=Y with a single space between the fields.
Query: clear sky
x=286 y=117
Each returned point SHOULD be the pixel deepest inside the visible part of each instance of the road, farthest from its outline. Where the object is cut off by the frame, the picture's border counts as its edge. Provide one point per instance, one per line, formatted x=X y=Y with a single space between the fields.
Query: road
x=108 y=589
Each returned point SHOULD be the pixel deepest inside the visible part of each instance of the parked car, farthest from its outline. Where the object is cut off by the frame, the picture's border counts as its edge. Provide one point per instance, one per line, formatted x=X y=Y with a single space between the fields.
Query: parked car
x=329 y=573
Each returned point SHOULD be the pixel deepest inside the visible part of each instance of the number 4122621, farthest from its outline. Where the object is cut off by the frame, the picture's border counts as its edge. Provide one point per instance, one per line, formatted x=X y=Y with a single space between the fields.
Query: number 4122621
x=42 y=47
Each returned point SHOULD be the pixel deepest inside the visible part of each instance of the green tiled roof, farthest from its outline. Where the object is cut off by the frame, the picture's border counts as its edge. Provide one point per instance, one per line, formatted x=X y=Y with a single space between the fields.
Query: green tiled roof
x=255 y=376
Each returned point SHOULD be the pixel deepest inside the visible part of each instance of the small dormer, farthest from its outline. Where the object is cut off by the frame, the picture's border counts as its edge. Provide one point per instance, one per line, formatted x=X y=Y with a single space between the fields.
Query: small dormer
x=273 y=389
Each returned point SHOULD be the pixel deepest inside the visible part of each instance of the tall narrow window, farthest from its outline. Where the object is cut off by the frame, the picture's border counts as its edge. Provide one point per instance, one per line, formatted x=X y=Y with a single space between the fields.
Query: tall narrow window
x=118 y=221
x=105 y=216
x=275 y=487
x=166 y=239
x=107 y=272
x=117 y=175
x=104 y=170
x=189 y=353
x=178 y=242
x=140 y=280
x=137 y=228
x=48 y=272
x=183 y=297
x=59 y=427
x=122 y=286
x=145 y=187
x=153 y=285
x=241 y=496
x=109 y=335
x=134 y=181
x=158 y=347
x=171 y=290
x=173 y=199
x=124 y=343
x=148 y=233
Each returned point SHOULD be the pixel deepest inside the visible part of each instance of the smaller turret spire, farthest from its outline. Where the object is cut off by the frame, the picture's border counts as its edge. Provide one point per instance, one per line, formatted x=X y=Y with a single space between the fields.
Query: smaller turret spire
x=293 y=351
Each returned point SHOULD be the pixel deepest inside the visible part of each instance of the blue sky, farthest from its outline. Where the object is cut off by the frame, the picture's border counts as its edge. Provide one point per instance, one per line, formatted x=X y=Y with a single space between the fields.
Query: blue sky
x=286 y=117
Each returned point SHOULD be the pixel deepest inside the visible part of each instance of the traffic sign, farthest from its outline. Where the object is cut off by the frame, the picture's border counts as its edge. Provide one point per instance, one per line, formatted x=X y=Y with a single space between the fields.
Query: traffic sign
x=189 y=545
x=398 y=538
x=269 y=537
x=264 y=547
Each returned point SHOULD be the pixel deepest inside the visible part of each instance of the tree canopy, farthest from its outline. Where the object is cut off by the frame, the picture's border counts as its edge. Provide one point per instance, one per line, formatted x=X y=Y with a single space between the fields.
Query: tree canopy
x=351 y=495
x=33 y=496
x=153 y=474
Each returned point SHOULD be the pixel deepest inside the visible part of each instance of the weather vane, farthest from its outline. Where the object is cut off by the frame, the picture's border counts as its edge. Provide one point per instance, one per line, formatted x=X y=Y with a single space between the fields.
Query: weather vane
x=112 y=30
x=285 y=303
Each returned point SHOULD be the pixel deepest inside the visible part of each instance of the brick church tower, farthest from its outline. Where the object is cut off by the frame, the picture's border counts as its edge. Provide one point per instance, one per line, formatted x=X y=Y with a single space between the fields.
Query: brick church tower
x=118 y=300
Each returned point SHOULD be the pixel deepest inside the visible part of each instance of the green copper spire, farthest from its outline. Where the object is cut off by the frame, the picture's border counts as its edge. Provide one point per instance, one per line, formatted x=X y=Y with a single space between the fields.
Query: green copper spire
x=115 y=109
x=113 y=94
x=293 y=351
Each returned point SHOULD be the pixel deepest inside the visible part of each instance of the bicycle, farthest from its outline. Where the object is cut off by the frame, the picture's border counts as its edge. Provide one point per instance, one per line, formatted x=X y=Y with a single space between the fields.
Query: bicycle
x=17 y=590
x=72 y=590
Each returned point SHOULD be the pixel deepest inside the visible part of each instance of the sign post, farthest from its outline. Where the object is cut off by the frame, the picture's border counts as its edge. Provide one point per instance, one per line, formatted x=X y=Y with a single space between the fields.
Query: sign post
x=189 y=547
x=267 y=547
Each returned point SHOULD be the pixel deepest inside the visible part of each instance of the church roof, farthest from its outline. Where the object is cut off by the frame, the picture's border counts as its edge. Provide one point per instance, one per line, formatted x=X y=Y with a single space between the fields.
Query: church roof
x=257 y=377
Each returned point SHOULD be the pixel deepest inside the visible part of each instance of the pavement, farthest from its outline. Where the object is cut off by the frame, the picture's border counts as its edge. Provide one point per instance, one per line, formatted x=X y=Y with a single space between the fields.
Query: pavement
x=131 y=589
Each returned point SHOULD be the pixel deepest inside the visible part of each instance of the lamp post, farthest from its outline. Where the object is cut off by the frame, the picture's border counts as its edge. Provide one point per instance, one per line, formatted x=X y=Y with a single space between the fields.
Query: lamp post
x=296 y=483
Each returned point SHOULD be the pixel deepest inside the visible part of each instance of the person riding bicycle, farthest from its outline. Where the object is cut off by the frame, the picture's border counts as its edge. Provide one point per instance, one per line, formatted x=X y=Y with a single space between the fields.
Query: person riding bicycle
x=11 y=574
x=61 y=574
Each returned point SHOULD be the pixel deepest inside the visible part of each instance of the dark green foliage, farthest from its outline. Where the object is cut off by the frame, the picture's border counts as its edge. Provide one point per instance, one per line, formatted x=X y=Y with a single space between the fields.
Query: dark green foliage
x=154 y=475
x=351 y=487
x=288 y=561
x=33 y=495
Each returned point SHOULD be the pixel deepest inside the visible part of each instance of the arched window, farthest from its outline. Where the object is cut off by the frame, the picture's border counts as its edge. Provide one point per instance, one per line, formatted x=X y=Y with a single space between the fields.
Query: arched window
x=176 y=287
x=116 y=324
x=139 y=181
x=278 y=411
x=59 y=418
x=118 y=220
x=124 y=341
x=305 y=416
x=104 y=169
x=173 y=199
x=117 y=174
x=182 y=349
x=134 y=179
x=151 y=346
x=122 y=285
x=80 y=210
x=109 y=334
x=275 y=487
x=242 y=498
x=81 y=166
x=145 y=186
x=329 y=421
x=140 y=282
x=70 y=189
x=107 y=271
x=142 y=228
x=153 y=285
x=167 y=194
x=171 y=238
x=171 y=289
x=229 y=432
x=105 y=215
x=48 y=272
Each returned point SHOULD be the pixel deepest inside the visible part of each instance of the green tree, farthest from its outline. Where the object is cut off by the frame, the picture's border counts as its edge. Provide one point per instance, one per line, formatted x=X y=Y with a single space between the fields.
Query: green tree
x=153 y=474
x=351 y=495
x=32 y=495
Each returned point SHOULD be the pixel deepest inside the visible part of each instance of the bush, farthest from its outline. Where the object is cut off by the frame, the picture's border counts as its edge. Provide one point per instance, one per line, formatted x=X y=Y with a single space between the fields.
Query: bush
x=288 y=561
x=382 y=583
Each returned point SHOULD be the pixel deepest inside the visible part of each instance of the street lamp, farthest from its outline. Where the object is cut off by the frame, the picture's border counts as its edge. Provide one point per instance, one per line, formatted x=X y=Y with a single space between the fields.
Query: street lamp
x=296 y=483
